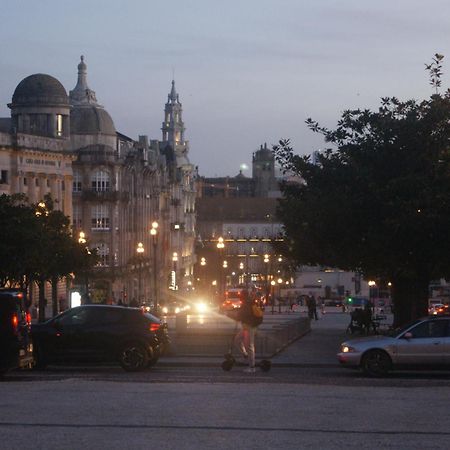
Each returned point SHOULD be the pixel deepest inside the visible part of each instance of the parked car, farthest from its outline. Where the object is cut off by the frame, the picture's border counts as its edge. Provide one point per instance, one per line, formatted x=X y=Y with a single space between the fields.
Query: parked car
x=16 y=347
x=100 y=333
x=423 y=344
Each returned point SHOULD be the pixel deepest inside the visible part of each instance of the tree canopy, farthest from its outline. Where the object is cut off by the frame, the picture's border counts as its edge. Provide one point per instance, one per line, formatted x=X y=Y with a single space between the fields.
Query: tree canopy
x=378 y=200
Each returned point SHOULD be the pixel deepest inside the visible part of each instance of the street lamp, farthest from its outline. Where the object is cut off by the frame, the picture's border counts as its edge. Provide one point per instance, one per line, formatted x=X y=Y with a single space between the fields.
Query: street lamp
x=154 y=233
x=82 y=240
x=272 y=284
x=220 y=247
x=140 y=253
x=279 y=281
x=266 y=262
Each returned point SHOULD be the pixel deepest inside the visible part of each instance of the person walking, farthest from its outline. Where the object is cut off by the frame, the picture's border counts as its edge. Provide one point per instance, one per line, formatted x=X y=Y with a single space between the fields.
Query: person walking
x=246 y=337
x=312 y=307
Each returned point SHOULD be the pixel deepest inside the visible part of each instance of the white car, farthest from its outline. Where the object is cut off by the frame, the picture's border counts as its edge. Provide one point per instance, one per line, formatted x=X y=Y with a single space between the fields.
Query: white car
x=423 y=344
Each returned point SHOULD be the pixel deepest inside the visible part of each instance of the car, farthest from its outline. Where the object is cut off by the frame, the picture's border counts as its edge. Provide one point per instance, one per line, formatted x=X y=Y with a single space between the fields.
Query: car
x=233 y=300
x=438 y=309
x=422 y=344
x=175 y=307
x=15 y=340
x=100 y=333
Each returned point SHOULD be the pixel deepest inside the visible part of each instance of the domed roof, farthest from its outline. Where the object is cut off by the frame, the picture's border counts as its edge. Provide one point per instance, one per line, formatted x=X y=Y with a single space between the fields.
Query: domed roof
x=40 y=89
x=91 y=119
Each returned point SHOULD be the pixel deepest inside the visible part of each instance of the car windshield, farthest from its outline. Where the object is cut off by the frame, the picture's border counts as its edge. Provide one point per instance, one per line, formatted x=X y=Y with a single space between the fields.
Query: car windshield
x=399 y=332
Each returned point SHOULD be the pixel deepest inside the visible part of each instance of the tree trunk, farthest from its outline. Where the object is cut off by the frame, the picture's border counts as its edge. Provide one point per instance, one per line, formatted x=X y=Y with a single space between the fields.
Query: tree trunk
x=410 y=297
x=42 y=300
x=54 y=296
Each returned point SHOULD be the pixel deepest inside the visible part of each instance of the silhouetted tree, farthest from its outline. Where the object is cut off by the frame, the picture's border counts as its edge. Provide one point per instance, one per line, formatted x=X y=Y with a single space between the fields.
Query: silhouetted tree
x=378 y=202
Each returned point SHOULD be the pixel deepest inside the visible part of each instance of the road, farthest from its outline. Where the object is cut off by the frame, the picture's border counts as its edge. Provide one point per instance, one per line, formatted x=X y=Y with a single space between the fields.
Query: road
x=206 y=408
x=304 y=402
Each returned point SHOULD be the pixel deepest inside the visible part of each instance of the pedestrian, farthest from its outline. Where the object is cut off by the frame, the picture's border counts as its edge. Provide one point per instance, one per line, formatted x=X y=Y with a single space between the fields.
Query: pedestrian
x=245 y=339
x=312 y=307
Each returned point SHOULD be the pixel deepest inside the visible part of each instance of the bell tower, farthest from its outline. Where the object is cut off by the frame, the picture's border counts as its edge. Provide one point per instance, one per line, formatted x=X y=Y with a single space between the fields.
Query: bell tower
x=173 y=126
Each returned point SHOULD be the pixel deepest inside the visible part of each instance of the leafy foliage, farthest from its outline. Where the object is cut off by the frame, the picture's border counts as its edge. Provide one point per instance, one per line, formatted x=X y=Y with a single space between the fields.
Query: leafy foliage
x=378 y=203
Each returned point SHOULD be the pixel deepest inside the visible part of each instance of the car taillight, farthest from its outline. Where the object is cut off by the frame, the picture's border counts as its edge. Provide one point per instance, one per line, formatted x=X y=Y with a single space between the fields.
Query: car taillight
x=155 y=327
x=15 y=322
x=28 y=318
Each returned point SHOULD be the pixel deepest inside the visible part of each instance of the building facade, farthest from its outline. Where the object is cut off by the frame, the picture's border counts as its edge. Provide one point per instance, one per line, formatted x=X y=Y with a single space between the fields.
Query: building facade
x=112 y=186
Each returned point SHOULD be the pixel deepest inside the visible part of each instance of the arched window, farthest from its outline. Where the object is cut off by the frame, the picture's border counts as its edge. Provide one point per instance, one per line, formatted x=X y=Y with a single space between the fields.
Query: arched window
x=100 y=181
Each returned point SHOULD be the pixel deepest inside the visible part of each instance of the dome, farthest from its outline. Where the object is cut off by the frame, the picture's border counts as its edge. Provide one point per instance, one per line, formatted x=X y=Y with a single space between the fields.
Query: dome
x=91 y=119
x=40 y=90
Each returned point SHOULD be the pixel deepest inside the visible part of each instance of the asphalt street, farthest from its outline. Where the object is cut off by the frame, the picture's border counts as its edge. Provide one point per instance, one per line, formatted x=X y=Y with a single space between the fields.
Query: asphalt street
x=305 y=401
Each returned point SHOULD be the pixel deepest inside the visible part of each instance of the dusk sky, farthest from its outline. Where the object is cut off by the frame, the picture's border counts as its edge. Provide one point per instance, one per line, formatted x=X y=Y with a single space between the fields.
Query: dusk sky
x=247 y=71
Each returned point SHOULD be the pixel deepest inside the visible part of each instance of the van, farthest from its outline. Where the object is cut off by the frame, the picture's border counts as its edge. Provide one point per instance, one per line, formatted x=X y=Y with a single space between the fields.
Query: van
x=16 y=347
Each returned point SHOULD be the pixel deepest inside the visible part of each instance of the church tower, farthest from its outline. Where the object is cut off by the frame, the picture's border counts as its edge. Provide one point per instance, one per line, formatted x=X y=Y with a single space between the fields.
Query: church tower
x=263 y=172
x=173 y=126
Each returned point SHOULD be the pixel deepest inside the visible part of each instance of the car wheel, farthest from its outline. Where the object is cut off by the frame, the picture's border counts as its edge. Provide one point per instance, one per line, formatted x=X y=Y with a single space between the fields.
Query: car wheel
x=376 y=363
x=133 y=357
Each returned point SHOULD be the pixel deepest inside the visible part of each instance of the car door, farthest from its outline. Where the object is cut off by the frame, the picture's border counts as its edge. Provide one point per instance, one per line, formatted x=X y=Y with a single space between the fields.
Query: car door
x=425 y=347
x=447 y=343
x=72 y=335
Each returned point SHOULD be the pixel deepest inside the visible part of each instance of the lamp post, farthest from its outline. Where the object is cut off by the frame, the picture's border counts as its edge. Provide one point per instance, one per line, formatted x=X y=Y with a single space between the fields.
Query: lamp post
x=154 y=233
x=82 y=240
x=266 y=262
x=203 y=275
x=220 y=247
x=140 y=253
x=272 y=284
x=279 y=281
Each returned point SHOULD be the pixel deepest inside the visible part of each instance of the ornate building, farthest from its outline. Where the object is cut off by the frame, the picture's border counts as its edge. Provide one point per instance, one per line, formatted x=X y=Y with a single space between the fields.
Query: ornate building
x=113 y=187
x=34 y=143
x=122 y=187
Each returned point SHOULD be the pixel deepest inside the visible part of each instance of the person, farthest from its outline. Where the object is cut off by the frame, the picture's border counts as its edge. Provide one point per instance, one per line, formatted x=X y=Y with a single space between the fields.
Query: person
x=312 y=307
x=246 y=337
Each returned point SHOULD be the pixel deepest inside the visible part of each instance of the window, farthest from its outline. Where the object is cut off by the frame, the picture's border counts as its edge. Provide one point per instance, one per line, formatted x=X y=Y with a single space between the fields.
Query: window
x=4 y=177
x=59 y=125
x=77 y=184
x=430 y=329
x=100 y=217
x=77 y=222
x=103 y=255
x=100 y=181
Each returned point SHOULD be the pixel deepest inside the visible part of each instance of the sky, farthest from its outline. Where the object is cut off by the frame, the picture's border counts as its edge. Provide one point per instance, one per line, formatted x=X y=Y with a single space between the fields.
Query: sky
x=248 y=72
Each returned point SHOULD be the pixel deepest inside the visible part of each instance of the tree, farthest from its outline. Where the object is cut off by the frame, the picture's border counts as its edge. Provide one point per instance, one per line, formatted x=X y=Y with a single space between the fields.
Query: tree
x=379 y=202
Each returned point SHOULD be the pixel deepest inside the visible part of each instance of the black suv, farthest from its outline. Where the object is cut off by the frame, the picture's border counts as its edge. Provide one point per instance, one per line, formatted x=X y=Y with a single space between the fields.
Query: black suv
x=100 y=333
x=16 y=348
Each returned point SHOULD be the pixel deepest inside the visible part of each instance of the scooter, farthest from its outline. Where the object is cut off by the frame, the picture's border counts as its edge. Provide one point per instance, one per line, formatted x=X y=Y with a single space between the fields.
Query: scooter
x=230 y=361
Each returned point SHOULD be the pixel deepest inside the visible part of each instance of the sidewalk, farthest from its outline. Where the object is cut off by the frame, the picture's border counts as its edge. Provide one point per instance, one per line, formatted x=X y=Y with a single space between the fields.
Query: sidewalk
x=317 y=348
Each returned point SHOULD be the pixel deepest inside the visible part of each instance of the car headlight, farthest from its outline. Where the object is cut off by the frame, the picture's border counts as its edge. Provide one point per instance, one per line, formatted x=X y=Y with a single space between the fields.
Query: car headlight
x=165 y=310
x=201 y=307
x=347 y=349
x=177 y=310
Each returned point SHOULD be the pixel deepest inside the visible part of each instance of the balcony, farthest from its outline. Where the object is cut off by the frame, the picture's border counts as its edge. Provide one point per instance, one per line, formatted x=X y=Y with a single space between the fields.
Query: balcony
x=108 y=196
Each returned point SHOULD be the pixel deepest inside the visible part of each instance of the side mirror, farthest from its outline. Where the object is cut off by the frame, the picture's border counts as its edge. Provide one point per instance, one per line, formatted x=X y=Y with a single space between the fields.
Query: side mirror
x=408 y=335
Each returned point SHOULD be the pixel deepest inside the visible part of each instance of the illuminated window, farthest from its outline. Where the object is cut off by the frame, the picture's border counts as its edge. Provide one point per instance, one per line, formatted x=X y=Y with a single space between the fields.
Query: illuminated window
x=59 y=125
x=100 y=217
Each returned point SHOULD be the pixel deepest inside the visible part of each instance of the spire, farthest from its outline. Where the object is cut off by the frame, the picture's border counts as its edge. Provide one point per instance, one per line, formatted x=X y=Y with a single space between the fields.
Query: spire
x=173 y=96
x=81 y=94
